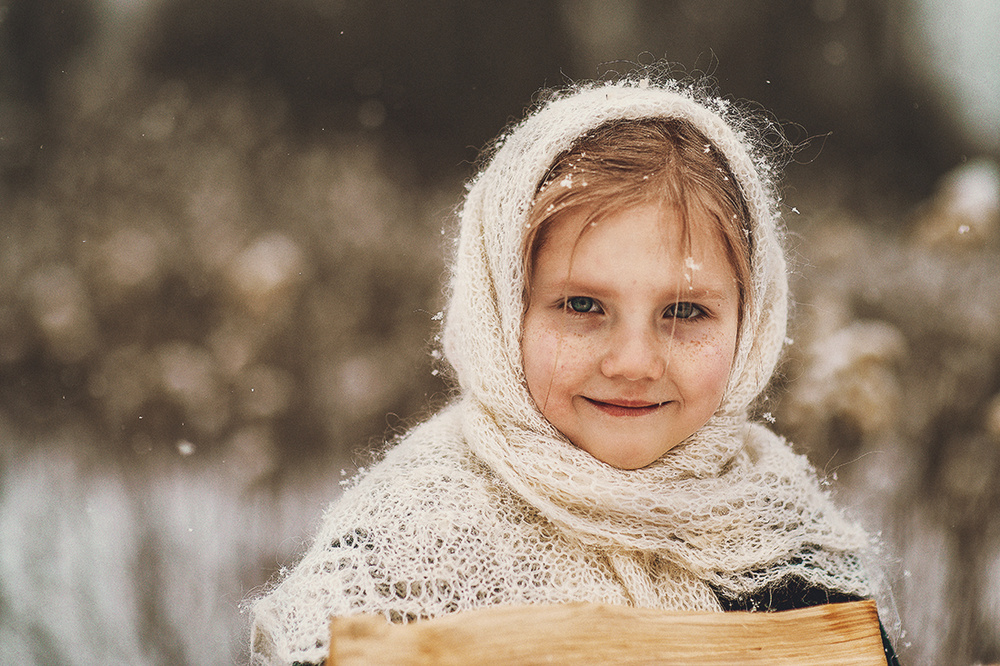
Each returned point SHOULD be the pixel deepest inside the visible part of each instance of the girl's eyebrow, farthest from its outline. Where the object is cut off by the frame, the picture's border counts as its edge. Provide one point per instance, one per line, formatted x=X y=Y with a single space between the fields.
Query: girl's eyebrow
x=569 y=287
x=700 y=293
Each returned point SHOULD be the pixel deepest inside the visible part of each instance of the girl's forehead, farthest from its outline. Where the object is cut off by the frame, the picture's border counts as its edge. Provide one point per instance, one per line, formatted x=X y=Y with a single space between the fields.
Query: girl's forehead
x=680 y=225
x=672 y=231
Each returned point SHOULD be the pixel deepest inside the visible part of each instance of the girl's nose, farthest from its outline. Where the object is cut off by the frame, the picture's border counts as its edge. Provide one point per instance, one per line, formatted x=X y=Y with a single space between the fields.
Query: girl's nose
x=635 y=354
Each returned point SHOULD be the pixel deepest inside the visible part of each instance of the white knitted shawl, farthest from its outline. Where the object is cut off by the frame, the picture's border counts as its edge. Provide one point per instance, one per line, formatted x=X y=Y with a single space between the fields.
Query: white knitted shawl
x=486 y=503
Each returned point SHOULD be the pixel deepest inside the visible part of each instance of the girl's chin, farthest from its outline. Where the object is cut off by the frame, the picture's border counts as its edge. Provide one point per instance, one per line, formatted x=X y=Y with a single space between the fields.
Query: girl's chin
x=626 y=456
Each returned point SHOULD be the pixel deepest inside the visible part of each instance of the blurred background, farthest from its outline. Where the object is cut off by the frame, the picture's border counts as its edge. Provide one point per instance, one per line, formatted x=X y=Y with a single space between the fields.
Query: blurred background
x=222 y=236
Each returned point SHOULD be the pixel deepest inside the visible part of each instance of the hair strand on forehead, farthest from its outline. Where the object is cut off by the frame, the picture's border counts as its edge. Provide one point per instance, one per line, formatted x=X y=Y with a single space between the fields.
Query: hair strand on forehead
x=661 y=161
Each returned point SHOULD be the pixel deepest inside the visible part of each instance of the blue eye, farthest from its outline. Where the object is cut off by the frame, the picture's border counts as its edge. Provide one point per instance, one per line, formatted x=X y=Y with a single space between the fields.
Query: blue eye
x=684 y=311
x=581 y=304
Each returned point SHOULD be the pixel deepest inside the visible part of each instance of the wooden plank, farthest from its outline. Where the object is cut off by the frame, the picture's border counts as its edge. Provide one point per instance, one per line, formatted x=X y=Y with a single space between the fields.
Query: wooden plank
x=844 y=634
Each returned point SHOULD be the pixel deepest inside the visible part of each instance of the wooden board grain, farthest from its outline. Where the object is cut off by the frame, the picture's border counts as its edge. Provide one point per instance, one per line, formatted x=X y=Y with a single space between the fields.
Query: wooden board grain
x=583 y=633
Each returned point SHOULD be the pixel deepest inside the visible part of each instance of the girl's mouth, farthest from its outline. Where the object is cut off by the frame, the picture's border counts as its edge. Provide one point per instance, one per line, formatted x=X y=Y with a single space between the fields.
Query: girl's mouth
x=625 y=407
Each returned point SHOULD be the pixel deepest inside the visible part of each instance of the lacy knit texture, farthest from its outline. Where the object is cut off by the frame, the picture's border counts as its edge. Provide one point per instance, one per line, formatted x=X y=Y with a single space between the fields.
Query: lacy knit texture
x=486 y=503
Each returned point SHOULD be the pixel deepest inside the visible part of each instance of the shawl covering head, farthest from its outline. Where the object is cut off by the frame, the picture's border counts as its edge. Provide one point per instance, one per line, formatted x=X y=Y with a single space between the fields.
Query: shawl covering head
x=486 y=503
x=714 y=505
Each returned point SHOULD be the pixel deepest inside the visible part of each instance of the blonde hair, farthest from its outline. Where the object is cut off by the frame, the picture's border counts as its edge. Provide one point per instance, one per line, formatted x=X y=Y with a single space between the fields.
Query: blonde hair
x=627 y=163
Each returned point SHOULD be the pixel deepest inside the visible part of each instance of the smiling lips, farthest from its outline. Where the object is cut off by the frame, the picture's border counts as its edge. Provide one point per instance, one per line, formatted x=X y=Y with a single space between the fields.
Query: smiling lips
x=625 y=407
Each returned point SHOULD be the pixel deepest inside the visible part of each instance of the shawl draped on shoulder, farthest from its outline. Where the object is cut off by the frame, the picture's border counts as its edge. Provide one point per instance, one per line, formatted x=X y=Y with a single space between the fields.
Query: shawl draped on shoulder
x=486 y=503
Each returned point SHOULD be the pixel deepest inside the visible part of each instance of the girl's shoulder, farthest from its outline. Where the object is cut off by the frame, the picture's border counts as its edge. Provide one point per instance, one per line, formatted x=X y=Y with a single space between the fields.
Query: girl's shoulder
x=431 y=459
x=429 y=477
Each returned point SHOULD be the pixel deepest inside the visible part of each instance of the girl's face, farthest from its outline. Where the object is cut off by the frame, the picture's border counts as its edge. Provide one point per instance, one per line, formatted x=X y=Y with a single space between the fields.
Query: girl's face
x=628 y=336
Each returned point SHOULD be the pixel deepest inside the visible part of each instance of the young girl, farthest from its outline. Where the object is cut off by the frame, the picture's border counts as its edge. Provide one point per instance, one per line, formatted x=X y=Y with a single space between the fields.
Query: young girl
x=617 y=302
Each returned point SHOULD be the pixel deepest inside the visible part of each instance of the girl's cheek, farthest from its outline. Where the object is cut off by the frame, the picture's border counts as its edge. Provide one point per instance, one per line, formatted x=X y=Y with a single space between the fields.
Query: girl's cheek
x=565 y=351
x=551 y=352
x=711 y=355
x=539 y=348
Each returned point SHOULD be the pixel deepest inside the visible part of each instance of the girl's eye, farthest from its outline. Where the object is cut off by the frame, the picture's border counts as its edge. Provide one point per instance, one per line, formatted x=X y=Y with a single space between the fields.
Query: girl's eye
x=684 y=311
x=582 y=304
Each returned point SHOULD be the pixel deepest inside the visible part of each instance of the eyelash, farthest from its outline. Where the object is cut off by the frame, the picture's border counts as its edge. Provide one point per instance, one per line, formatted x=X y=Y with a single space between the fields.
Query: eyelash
x=591 y=306
x=569 y=306
x=697 y=312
